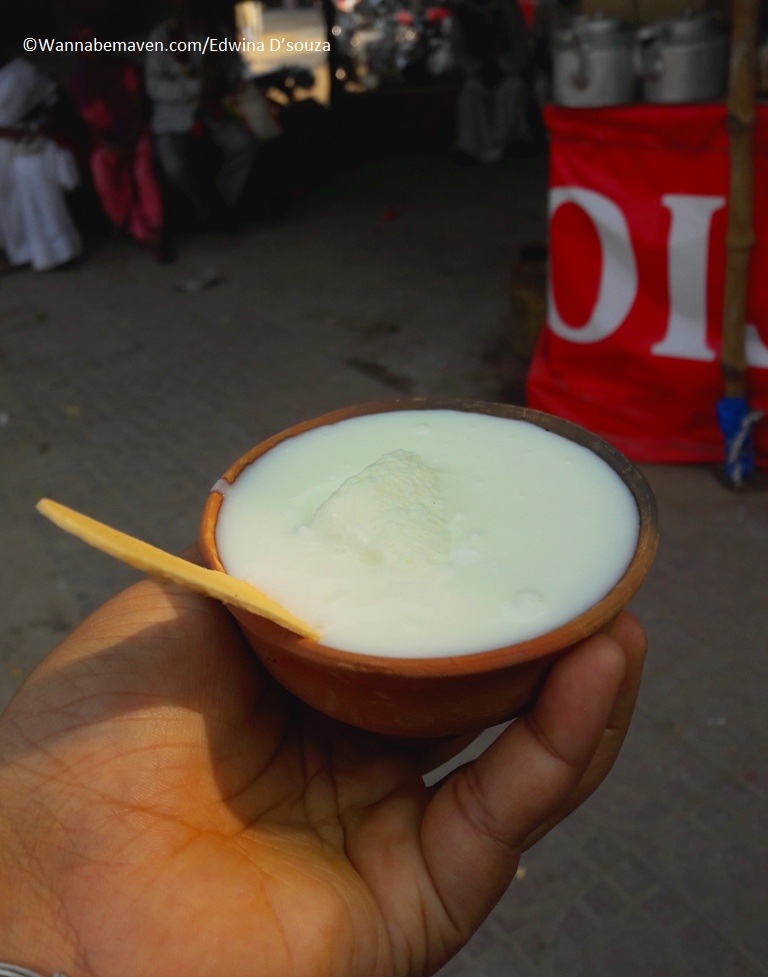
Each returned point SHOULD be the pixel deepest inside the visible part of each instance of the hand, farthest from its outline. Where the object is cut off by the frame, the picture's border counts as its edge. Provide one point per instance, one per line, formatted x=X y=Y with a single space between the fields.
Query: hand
x=165 y=809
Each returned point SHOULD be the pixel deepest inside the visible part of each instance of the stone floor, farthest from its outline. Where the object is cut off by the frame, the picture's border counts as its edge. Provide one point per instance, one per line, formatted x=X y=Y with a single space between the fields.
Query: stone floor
x=125 y=396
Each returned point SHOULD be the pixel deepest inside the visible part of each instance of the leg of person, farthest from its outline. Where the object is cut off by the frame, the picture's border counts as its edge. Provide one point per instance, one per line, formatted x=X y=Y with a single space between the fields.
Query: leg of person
x=112 y=183
x=510 y=114
x=146 y=218
x=473 y=135
x=174 y=150
x=238 y=147
x=13 y=239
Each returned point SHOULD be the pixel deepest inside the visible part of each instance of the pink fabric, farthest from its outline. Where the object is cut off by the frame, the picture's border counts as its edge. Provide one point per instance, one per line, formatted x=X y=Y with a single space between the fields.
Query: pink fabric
x=107 y=93
x=127 y=187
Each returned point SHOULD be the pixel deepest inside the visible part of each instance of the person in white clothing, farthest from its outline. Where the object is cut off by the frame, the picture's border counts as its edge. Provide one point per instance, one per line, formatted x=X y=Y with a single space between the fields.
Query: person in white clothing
x=188 y=91
x=35 y=224
x=491 y=49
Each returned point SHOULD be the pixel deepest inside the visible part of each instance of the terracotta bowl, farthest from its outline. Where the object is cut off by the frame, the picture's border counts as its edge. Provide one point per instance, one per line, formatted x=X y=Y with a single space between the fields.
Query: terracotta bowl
x=433 y=697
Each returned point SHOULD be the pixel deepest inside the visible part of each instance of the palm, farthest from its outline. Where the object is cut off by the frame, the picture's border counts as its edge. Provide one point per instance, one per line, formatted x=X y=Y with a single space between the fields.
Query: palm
x=193 y=819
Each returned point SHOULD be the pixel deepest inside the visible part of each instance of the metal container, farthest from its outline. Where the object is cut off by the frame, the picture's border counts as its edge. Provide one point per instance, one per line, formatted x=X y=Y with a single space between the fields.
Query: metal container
x=682 y=60
x=592 y=63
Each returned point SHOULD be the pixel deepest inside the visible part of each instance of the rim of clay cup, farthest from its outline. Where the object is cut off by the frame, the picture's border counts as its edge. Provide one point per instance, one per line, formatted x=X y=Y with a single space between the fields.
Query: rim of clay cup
x=570 y=633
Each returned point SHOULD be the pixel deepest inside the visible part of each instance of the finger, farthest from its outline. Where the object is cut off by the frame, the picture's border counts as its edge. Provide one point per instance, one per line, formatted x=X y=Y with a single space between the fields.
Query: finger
x=476 y=824
x=628 y=631
x=429 y=754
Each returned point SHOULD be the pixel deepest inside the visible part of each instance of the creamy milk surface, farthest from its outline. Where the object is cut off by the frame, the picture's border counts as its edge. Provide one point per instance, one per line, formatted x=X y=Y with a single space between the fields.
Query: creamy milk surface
x=429 y=533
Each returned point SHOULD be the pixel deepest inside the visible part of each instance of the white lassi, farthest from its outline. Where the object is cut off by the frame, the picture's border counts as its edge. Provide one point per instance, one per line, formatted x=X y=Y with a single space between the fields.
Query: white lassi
x=429 y=532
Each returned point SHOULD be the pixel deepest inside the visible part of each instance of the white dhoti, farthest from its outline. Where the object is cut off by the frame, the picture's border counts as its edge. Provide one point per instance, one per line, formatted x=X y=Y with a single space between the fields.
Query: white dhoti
x=489 y=119
x=35 y=225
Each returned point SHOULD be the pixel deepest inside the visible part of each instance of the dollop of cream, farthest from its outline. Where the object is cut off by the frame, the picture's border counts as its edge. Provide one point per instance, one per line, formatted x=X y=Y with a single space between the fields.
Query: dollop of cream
x=392 y=512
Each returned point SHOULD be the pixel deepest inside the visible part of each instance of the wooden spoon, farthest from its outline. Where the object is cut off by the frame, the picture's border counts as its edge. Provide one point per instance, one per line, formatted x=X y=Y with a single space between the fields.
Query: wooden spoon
x=158 y=563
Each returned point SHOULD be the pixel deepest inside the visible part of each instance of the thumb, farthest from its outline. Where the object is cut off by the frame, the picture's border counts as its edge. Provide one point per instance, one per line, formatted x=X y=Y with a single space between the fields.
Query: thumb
x=476 y=825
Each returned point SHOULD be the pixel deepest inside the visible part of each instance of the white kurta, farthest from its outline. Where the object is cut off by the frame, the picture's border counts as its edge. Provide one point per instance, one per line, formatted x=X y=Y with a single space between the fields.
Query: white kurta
x=174 y=88
x=35 y=224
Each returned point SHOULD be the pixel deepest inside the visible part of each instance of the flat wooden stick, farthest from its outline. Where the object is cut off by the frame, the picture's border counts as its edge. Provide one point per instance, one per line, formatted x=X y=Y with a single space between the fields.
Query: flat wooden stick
x=157 y=563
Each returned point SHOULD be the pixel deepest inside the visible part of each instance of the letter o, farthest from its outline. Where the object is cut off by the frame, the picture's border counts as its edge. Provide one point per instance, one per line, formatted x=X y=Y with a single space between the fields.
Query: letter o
x=618 y=280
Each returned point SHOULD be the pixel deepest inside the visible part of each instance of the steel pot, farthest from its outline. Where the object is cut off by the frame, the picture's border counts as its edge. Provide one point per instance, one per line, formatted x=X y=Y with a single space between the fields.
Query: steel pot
x=682 y=60
x=592 y=63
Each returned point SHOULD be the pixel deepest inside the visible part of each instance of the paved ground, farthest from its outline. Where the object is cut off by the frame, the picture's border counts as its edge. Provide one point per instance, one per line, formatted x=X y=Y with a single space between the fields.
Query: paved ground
x=125 y=397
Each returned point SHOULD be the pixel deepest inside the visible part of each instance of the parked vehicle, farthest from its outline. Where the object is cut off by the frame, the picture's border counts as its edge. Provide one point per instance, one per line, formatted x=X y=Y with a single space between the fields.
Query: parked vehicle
x=388 y=41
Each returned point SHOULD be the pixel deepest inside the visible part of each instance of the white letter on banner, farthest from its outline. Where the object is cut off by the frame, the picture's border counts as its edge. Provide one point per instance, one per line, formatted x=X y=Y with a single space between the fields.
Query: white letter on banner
x=755 y=350
x=618 y=281
x=687 y=252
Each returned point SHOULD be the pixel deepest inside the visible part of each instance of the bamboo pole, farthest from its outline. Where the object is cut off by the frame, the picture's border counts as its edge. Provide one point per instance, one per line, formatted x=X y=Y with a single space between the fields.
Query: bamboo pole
x=740 y=236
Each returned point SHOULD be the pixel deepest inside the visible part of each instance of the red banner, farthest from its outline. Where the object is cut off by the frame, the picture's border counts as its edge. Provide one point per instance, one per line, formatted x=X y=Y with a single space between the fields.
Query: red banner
x=638 y=210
